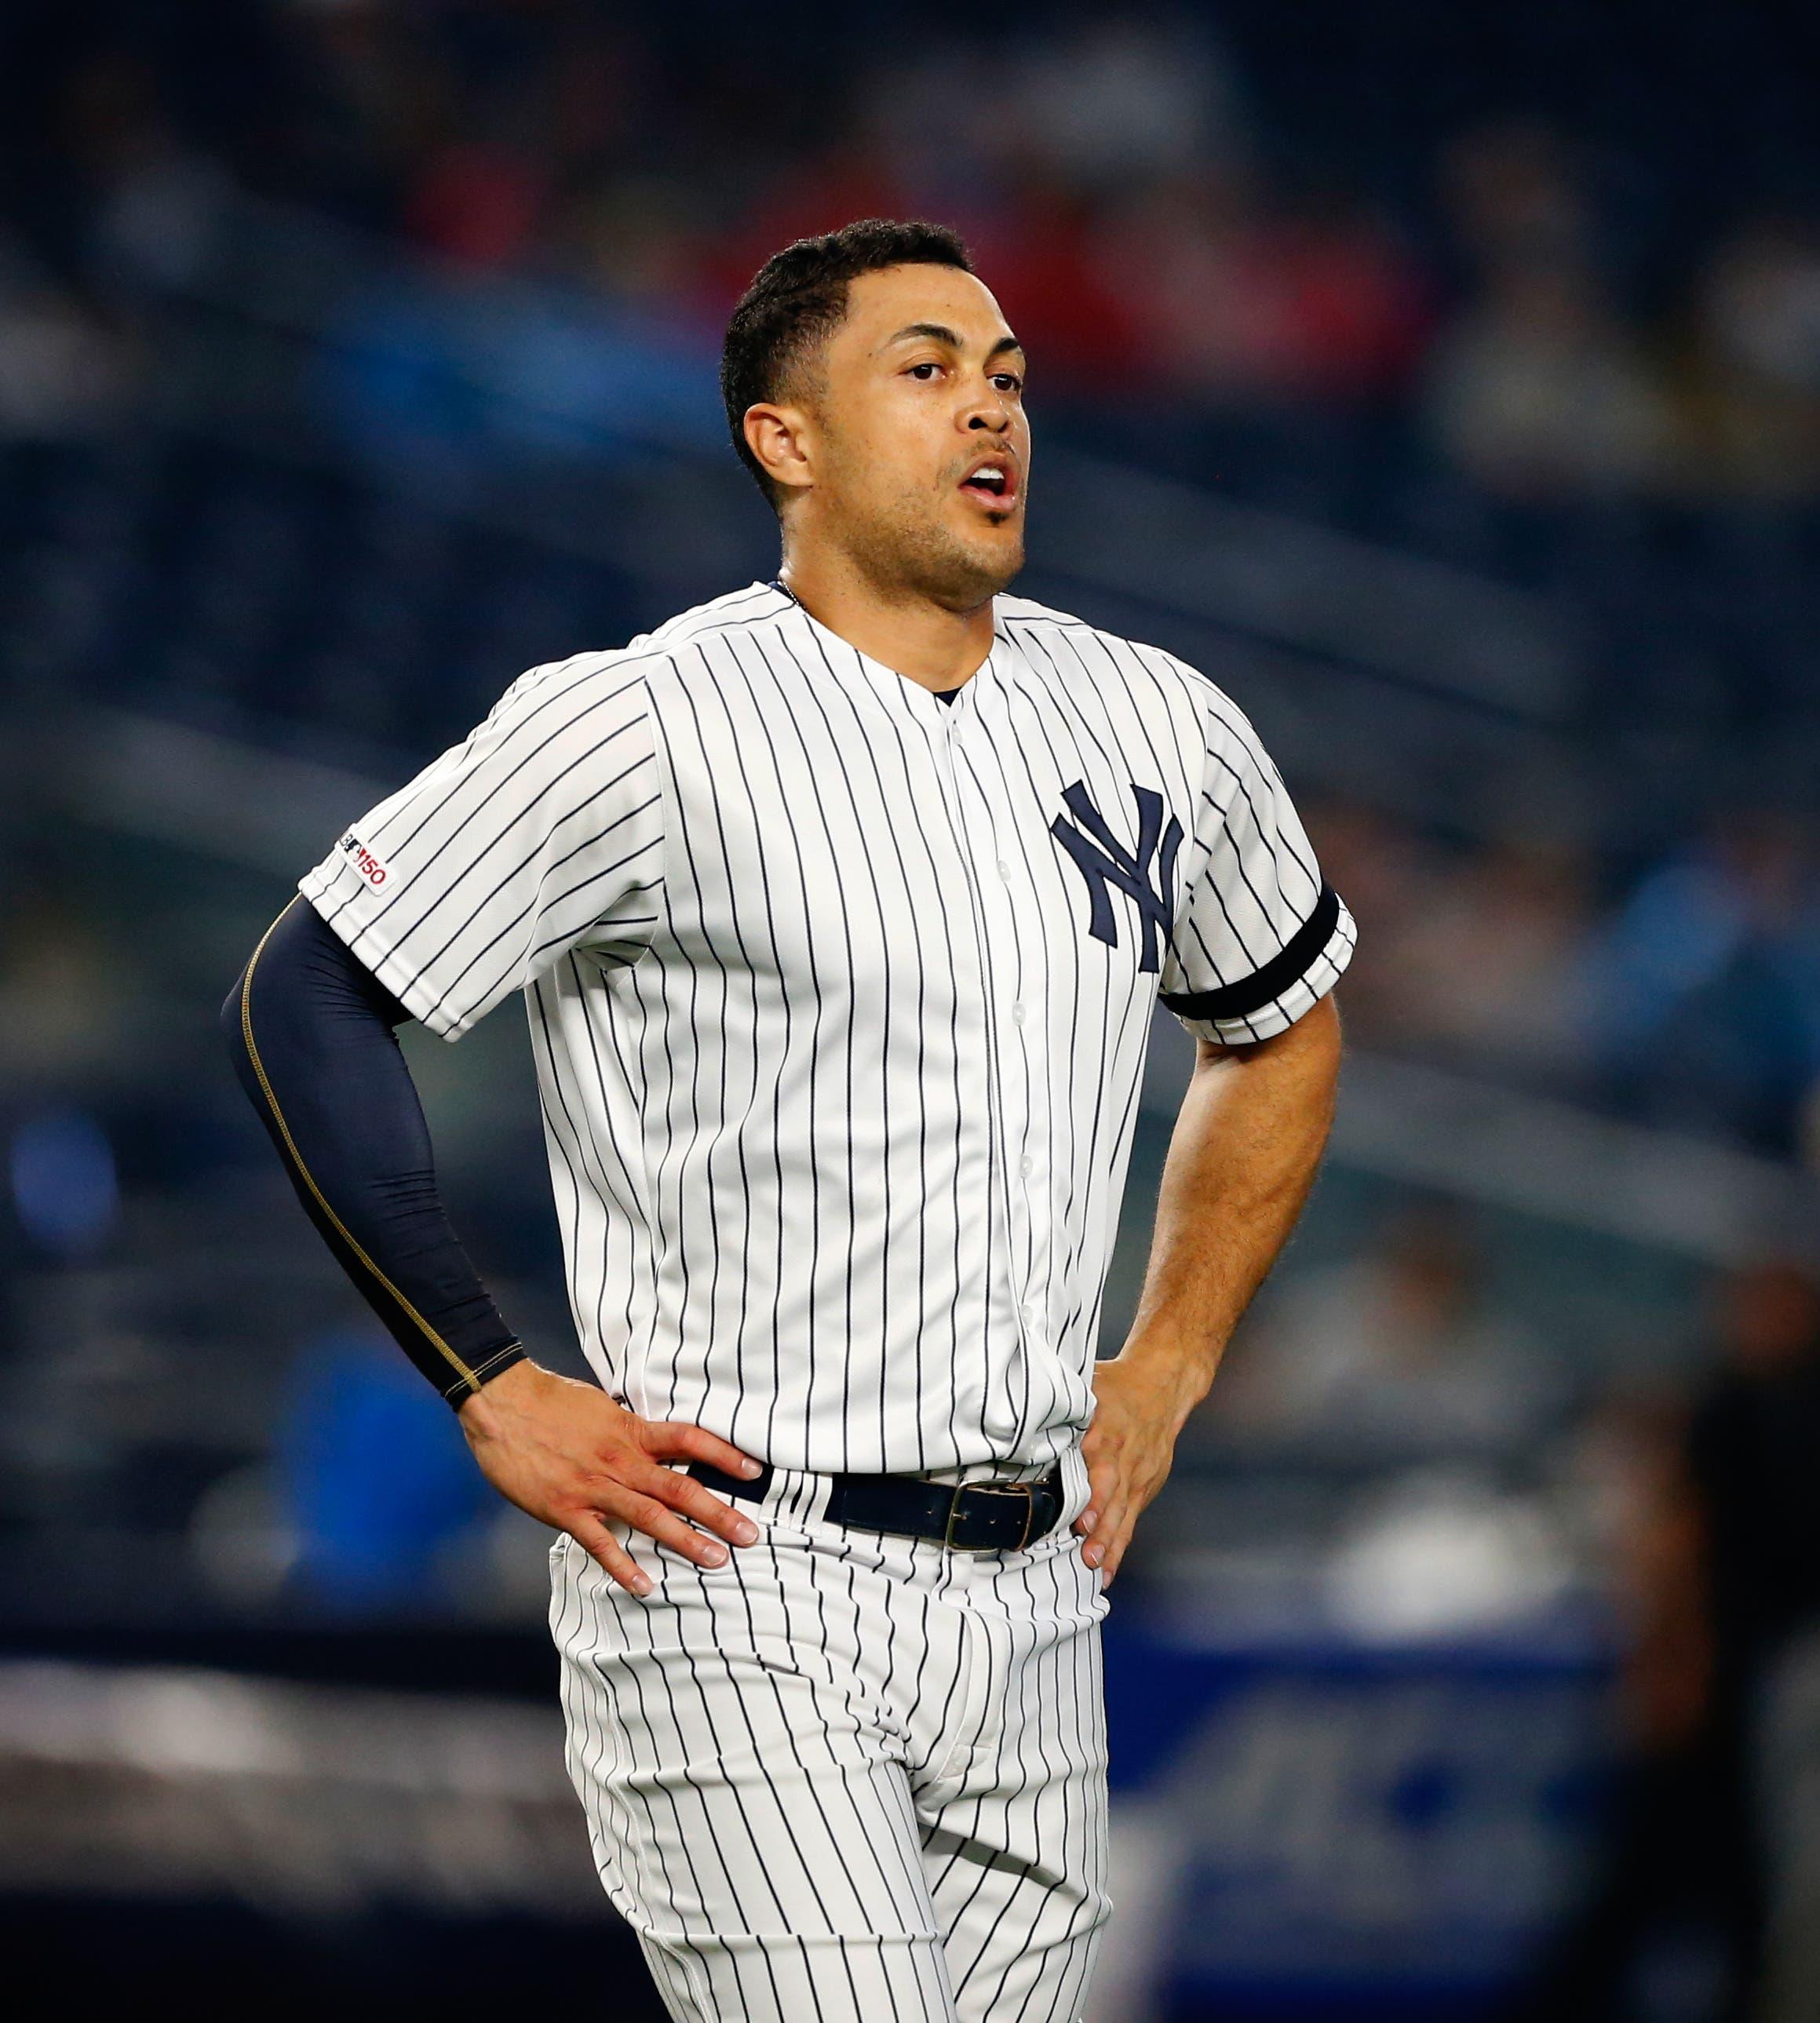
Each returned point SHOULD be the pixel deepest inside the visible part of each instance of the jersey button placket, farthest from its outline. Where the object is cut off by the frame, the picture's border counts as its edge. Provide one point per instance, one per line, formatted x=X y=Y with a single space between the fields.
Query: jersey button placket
x=1014 y=1129
x=1017 y=1068
x=943 y=737
x=1026 y=1166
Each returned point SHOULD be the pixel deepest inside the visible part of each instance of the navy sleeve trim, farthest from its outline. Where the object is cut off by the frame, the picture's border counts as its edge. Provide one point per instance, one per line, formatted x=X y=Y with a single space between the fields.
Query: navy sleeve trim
x=1287 y=967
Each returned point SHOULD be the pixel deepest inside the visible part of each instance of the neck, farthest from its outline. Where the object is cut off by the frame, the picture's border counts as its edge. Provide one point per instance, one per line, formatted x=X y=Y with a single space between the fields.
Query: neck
x=903 y=629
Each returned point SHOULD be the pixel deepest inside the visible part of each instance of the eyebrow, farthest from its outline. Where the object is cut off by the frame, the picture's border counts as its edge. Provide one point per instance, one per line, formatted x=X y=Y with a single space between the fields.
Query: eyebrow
x=940 y=333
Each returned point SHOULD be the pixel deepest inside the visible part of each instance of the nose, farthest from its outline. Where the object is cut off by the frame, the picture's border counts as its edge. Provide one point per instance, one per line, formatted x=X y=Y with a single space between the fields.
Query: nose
x=988 y=410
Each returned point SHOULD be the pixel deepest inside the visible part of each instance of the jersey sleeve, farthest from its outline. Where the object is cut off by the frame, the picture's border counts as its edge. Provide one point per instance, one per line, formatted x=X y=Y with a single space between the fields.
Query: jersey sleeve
x=541 y=834
x=1259 y=936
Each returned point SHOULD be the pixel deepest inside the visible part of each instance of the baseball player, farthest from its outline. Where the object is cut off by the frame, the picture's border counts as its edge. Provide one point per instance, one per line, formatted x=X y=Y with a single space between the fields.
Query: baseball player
x=840 y=906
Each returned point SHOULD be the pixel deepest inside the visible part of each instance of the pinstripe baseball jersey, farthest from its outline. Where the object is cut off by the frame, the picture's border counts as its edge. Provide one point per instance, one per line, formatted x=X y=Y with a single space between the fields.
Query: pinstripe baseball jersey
x=840 y=999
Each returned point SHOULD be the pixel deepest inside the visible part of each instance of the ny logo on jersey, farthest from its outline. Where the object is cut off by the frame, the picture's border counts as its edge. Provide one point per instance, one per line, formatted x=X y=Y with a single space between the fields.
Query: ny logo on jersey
x=1104 y=861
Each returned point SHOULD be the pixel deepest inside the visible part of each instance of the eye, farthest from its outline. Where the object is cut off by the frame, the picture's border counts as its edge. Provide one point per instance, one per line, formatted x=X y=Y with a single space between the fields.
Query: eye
x=1008 y=382
x=925 y=371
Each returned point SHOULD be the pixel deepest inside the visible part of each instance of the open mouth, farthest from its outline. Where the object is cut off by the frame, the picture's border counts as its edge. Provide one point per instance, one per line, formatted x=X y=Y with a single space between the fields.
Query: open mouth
x=994 y=481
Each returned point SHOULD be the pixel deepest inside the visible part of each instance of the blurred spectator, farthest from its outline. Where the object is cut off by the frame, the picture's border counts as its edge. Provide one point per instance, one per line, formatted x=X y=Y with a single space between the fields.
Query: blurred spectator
x=377 y=1486
x=1753 y=1452
x=1511 y=193
x=1398 y=874
x=1401 y=1355
x=62 y=375
x=1704 y=988
x=1487 y=968
x=1539 y=393
x=64 y=1007
x=1125 y=98
x=1719 y=1834
x=640 y=240
x=1757 y=382
x=1233 y=299
x=1537 y=390
x=435 y=382
x=853 y=176
x=1753 y=1442
x=65 y=1184
x=154 y=197
x=476 y=203
x=1084 y=331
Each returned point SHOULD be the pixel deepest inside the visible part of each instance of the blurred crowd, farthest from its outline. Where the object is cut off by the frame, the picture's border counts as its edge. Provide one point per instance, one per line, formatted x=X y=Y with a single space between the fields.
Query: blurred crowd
x=1549 y=320
x=1685 y=992
x=1152 y=231
x=1563 y=334
x=1490 y=1466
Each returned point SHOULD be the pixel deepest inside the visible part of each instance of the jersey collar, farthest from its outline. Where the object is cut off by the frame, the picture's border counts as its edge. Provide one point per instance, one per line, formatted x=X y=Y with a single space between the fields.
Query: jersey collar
x=898 y=693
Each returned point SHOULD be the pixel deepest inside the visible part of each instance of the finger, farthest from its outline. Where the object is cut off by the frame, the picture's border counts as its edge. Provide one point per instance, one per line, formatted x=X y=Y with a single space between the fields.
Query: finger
x=1119 y=1534
x=595 y=1539
x=1105 y=1497
x=668 y=1441
x=1099 y=1495
x=667 y=1485
x=1102 y=1482
x=1105 y=1533
x=1115 y=1556
x=700 y=1505
x=647 y=1514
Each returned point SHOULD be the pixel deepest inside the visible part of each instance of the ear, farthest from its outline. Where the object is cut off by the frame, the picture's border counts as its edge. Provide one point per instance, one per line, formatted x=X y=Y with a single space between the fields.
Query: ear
x=781 y=438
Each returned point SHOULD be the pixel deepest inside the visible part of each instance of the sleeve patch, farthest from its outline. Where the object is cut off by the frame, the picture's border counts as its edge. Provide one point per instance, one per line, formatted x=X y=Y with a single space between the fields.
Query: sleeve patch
x=371 y=867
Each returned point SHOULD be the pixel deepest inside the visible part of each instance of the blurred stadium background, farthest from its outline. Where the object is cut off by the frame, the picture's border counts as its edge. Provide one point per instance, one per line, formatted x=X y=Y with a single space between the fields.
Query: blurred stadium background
x=1444 y=382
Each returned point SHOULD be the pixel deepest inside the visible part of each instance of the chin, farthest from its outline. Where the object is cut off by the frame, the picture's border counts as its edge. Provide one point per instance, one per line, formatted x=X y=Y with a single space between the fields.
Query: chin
x=996 y=560
x=957 y=568
x=1008 y=565
x=968 y=580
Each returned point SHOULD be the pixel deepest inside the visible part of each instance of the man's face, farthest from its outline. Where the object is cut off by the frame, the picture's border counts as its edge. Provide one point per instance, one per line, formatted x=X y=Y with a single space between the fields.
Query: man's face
x=917 y=441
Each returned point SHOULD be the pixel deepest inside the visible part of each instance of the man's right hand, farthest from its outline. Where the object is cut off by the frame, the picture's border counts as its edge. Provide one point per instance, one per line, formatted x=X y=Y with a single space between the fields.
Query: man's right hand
x=576 y=1461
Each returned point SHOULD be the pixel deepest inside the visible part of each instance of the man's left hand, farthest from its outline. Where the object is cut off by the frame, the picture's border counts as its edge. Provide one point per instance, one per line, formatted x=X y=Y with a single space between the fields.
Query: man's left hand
x=1139 y=1407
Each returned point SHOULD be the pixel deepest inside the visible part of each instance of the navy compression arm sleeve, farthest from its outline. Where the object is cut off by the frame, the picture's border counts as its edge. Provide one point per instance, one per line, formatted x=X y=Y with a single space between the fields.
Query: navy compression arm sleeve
x=313 y=1034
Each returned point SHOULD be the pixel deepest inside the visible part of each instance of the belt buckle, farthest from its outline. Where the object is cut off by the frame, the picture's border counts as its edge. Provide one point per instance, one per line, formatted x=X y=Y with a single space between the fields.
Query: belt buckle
x=1026 y=1490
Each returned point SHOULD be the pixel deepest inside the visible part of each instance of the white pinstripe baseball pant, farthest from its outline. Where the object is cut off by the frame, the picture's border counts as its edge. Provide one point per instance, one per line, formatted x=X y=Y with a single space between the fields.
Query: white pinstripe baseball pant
x=845 y=1777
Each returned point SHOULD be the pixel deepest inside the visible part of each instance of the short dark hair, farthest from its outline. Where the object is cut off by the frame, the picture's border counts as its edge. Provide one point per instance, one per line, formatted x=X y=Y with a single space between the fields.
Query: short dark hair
x=799 y=297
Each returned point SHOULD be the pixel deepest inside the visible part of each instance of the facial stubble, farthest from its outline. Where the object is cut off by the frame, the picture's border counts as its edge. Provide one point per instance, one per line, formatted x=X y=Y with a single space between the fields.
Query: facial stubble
x=906 y=550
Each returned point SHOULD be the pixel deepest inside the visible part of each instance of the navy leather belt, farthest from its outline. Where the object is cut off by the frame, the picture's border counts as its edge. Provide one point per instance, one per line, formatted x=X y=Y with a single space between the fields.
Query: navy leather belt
x=966 y=1517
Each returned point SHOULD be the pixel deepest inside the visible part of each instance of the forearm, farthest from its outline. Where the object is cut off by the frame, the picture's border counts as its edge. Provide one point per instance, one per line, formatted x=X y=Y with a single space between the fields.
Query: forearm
x=1241 y=1161
x=311 y=1035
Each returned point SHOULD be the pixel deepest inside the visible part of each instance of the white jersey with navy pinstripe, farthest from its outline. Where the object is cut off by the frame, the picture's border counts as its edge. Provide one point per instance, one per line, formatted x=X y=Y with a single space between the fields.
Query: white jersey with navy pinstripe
x=840 y=997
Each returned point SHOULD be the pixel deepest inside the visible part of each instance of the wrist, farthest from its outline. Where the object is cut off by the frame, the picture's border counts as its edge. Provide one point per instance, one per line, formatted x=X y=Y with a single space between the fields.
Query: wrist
x=1174 y=1368
x=491 y=1383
